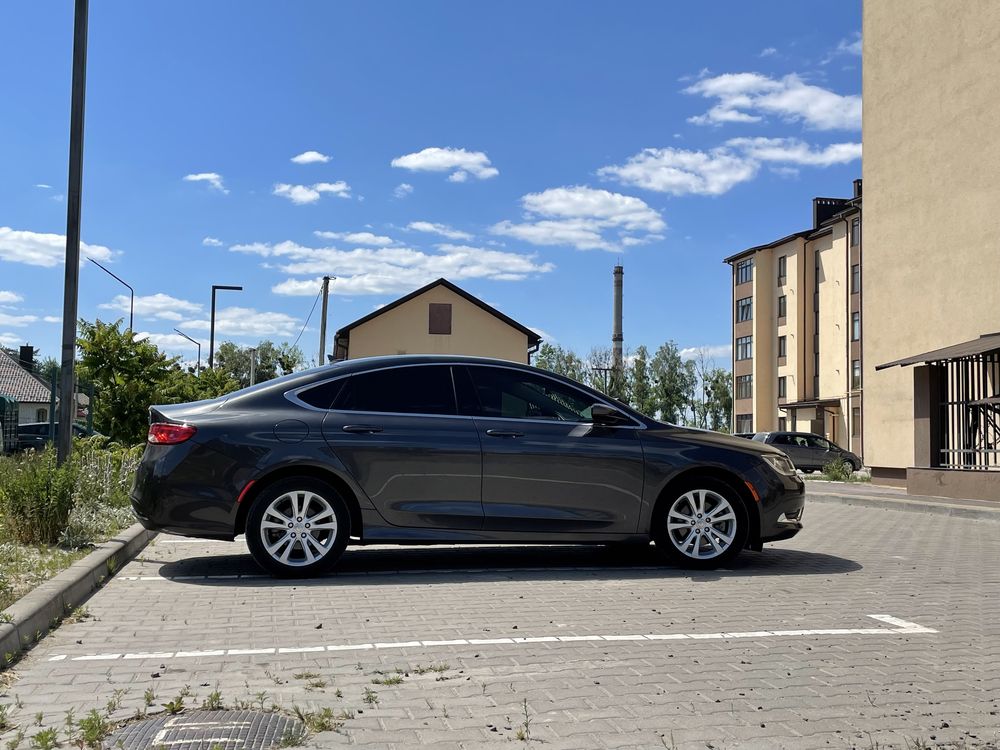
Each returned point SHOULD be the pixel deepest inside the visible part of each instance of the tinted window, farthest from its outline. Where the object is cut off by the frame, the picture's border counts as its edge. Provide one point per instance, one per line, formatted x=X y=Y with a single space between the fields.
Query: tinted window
x=321 y=396
x=515 y=394
x=815 y=442
x=400 y=390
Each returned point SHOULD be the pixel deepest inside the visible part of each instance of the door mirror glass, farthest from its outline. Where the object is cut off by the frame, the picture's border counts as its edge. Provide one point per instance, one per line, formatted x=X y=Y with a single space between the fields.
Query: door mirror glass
x=607 y=416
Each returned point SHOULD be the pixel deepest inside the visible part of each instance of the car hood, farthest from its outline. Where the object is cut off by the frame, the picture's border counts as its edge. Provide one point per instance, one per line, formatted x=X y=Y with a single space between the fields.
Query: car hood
x=713 y=439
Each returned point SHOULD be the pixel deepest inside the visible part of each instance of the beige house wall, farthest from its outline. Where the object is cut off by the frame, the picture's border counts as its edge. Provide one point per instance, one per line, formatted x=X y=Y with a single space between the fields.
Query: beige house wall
x=403 y=330
x=932 y=225
x=834 y=330
x=765 y=386
x=791 y=328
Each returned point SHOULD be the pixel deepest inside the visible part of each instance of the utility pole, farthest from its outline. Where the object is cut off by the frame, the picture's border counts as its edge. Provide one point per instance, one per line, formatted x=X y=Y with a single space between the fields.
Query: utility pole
x=71 y=288
x=196 y=343
x=211 y=335
x=322 y=321
x=253 y=366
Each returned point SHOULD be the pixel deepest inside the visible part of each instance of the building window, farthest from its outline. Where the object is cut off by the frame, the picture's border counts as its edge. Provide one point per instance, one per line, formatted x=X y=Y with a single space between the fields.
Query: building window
x=782 y=306
x=782 y=424
x=856 y=421
x=744 y=309
x=855 y=326
x=782 y=268
x=744 y=386
x=782 y=346
x=782 y=387
x=41 y=415
x=744 y=423
x=855 y=278
x=439 y=318
x=744 y=271
x=856 y=374
x=855 y=232
x=744 y=347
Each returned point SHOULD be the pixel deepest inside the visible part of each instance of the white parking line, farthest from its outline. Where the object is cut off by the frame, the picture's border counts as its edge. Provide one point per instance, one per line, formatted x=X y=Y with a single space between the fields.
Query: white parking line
x=900 y=627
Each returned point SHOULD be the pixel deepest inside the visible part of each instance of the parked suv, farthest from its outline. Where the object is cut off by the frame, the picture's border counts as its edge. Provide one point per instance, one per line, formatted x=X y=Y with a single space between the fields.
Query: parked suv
x=35 y=435
x=808 y=451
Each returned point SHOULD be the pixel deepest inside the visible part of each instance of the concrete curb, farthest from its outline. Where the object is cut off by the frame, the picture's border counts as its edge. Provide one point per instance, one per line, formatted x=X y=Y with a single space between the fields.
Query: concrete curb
x=37 y=612
x=956 y=510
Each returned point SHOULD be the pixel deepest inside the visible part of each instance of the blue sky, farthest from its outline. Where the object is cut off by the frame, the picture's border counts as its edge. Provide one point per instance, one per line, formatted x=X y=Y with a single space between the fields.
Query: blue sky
x=518 y=149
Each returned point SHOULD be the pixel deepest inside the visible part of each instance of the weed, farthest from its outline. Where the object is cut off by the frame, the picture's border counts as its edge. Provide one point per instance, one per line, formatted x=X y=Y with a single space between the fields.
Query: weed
x=6 y=717
x=93 y=729
x=214 y=700
x=149 y=697
x=47 y=739
x=524 y=731
x=392 y=679
x=439 y=668
x=444 y=711
x=115 y=702
x=39 y=719
x=80 y=614
x=274 y=678
x=293 y=738
x=315 y=684
x=175 y=706
x=339 y=693
x=306 y=675
x=370 y=697
x=14 y=742
x=323 y=720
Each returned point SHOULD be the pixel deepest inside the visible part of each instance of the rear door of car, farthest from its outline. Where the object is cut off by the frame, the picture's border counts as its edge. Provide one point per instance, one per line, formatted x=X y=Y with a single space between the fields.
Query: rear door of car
x=821 y=451
x=794 y=447
x=397 y=432
x=546 y=466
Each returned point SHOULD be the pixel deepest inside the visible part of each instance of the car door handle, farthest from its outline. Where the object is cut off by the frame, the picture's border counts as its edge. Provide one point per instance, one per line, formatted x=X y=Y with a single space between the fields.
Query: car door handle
x=366 y=429
x=504 y=433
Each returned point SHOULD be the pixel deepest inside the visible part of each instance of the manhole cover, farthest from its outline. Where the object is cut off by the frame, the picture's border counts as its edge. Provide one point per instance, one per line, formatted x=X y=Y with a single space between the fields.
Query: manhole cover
x=207 y=730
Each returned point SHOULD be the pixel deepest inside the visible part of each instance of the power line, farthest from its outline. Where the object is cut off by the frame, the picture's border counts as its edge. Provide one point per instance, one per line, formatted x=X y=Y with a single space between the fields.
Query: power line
x=309 y=317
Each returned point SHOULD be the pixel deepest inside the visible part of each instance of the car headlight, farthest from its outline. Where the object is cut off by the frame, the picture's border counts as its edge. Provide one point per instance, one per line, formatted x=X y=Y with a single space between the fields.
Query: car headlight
x=781 y=464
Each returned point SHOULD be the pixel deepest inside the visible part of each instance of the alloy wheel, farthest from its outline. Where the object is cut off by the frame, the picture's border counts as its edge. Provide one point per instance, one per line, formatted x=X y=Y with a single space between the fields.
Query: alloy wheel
x=701 y=524
x=298 y=528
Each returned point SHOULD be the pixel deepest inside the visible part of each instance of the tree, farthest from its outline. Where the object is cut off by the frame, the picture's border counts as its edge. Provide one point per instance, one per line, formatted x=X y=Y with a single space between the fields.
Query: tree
x=639 y=385
x=555 y=359
x=128 y=376
x=674 y=383
x=718 y=385
x=272 y=361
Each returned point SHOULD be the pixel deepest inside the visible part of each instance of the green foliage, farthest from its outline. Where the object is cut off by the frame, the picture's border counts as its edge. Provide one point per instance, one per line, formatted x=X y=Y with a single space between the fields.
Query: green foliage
x=36 y=497
x=674 y=383
x=272 y=361
x=46 y=739
x=640 y=384
x=558 y=360
x=93 y=728
x=838 y=470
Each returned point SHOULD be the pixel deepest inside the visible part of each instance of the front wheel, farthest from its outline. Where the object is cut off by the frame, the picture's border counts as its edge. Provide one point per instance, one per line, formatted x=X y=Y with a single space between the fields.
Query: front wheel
x=298 y=527
x=703 y=524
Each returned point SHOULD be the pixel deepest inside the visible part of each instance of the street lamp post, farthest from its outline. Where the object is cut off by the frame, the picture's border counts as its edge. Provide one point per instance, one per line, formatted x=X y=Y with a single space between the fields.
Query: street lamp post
x=211 y=339
x=131 y=292
x=196 y=343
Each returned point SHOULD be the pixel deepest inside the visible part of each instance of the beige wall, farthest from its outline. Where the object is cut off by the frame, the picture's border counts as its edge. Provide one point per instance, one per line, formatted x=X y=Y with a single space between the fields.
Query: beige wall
x=932 y=196
x=765 y=385
x=403 y=330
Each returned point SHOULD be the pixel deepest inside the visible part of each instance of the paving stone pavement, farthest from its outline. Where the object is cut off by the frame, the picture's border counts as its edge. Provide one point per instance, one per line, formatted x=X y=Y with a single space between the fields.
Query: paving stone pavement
x=836 y=690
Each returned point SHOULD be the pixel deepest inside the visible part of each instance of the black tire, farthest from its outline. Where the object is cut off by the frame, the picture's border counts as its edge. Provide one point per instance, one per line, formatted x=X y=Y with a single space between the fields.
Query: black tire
x=671 y=543
x=276 y=502
x=854 y=466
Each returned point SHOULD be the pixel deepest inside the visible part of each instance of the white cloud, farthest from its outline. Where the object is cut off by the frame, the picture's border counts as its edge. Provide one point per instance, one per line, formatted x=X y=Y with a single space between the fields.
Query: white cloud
x=43 y=249
x=43 y=186
x=10 y=339
x=714 y=172
x=391 y=269
x=213 y=179
x=10 y=297
x=750 y=97
x=458 y=161
x=246 y=321
x=169 y=341
x=52 y=319
x=159 y=305
x=852 y=45
x=711 y=352
x=311 y=157
x=17 y=321
x=579 y=216
x=768 y=52
x=211 y=242
x=366 y=239
x=303 y=194
x=402 y=190
x=443 y=229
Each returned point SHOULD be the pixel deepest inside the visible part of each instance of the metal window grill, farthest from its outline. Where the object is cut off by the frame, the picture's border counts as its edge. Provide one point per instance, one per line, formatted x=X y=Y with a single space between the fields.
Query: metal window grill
x=970 y=413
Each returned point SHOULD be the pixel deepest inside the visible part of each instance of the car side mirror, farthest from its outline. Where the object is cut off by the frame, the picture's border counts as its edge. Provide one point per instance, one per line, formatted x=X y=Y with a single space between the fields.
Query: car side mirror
x=607 y=416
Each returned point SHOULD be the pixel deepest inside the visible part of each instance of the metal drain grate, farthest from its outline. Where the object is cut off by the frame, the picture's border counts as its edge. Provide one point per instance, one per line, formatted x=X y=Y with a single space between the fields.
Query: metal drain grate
x=207 y=730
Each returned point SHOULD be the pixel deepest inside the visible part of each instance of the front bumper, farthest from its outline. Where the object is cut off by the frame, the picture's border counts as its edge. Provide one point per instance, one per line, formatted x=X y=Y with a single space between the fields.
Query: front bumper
x=781 y=506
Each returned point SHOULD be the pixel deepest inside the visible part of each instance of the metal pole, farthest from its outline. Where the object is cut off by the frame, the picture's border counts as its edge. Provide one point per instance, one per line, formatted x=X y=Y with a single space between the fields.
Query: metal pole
x=322 y=321
x=211 y=340
x=197 y=371
x=67 y=403
x=253 y=366
x=131 y=291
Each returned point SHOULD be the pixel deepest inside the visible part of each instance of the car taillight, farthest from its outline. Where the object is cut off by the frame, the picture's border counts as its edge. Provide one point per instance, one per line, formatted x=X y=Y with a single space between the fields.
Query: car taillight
x=161 y=433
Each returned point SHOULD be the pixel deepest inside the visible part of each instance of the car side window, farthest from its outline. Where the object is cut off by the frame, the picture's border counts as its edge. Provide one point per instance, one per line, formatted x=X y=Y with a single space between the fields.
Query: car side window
x=421 y=389
x=816 y=442
x=323 y=395
x=515 y=394
x=779 y=440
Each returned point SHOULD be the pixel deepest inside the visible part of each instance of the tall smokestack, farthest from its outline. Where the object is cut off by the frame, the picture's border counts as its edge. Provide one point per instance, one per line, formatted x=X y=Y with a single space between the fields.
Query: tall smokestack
x=616 y=337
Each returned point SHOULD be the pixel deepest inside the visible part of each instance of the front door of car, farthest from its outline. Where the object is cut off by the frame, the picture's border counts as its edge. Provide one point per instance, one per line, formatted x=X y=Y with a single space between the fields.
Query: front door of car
x=546 y=466
x=794 y=447
x=821 y=451
x=397 y=433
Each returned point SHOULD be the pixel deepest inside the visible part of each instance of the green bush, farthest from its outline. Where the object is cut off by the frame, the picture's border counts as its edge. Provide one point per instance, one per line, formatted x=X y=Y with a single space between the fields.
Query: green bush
x=36 y=497
x=838 y=470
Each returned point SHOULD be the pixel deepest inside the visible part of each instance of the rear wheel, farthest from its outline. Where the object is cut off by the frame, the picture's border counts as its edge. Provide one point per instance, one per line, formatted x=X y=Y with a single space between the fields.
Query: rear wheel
x=298 y=527
x=702 y=524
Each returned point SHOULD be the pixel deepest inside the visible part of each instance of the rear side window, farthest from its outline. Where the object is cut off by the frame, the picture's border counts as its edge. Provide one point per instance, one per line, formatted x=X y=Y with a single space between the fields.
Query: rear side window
x=400 y=390
x=323 y=395
x=514 y=394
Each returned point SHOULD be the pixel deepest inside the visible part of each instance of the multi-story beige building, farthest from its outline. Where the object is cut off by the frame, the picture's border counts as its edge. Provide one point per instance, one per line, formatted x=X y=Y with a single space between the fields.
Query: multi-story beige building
x=797 y=328
x=932 y=296
x=439 y=318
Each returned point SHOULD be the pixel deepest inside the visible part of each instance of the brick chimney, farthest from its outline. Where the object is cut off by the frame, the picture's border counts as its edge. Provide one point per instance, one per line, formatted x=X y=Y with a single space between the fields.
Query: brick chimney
x=26 y=358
